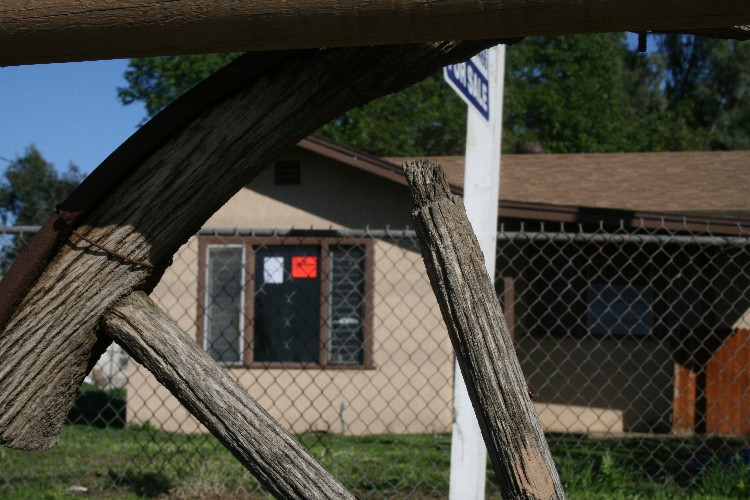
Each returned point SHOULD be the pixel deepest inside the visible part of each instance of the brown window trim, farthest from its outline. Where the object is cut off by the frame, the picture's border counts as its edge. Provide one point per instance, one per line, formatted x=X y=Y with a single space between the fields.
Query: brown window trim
x=249 y=243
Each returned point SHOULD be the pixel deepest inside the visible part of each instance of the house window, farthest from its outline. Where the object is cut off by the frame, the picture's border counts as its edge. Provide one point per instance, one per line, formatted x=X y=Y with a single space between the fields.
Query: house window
x=345 y=342
x=224 y=305
x=619 y=309
x=589 y=289
x=304 y=304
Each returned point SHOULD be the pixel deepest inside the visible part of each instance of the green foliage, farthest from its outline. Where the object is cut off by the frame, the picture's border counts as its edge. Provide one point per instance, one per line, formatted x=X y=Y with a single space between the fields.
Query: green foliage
x=157 y=81
x=708 y=86
x=141 y=461
x=98 y=408
x=587 y=94
x=29 y=191
x=31 y=188
x=426 y=117
x=576 y=93
x=731 y=480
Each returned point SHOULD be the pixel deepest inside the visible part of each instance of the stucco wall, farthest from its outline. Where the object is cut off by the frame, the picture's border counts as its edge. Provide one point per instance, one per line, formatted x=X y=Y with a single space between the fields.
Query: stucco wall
x=410 y=387
x=592 y=385
x=582 y=384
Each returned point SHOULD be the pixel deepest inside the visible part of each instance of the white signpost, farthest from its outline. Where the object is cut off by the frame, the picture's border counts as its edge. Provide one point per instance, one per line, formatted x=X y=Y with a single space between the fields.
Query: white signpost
x=479 y=82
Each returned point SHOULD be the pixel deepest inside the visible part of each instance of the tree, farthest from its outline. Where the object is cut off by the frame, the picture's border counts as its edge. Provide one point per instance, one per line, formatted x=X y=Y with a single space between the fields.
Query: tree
x=157 y=81
x=587 y=94
x=425 y=117
x=707 y=86
x=29 y=190
x=32 y=187
x=576 y=93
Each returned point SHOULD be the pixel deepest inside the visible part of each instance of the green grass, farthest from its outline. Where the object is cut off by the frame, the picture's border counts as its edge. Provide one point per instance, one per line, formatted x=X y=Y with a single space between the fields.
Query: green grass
x=139 y=461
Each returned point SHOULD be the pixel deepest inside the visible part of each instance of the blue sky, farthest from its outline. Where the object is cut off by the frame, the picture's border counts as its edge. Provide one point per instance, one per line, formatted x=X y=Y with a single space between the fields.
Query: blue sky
x=70 y=111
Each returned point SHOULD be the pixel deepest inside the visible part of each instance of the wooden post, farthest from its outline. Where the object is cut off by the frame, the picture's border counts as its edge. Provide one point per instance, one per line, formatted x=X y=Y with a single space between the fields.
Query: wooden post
x=497 y=389
x=280 y=463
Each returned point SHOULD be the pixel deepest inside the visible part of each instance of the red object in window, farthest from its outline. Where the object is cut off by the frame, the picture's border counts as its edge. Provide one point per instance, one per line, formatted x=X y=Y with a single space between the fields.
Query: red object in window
x=305 y=267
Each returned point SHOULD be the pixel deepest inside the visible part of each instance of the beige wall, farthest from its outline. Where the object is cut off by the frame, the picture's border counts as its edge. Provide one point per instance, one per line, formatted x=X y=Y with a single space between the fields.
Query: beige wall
x=599 y=385
x=410 y=388
x=582 y=385
x=330 y=195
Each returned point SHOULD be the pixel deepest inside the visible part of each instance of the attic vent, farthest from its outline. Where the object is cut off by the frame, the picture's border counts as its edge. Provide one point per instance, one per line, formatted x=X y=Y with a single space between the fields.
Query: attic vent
x=287 y=173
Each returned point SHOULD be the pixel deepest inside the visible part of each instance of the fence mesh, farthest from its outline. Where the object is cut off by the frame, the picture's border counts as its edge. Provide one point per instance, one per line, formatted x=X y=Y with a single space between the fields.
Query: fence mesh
x=635 y=345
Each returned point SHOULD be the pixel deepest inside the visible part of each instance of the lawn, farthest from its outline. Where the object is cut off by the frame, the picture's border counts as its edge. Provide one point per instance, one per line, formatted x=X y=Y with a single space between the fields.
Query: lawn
x=139 y=461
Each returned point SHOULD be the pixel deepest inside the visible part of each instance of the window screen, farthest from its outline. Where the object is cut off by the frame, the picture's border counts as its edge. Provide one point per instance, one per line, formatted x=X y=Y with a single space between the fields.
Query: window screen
x=346 y=343
x=224 y=297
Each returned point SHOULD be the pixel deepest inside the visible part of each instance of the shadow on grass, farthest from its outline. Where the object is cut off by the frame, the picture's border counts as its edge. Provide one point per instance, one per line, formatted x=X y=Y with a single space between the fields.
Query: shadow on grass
x=143 y=484
x=98 y=409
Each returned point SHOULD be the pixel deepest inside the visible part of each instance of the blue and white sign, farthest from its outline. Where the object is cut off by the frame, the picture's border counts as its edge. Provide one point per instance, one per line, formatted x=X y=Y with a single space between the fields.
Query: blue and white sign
x=479 y=82
x=470 y=80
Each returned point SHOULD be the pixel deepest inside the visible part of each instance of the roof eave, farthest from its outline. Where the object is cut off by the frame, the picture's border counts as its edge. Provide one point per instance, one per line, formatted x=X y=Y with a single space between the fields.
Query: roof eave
x=508 y=209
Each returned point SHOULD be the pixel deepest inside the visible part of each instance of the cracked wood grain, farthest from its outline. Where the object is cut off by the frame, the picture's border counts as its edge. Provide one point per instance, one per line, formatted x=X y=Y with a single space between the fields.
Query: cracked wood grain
x=455 y=265
x=281 y=464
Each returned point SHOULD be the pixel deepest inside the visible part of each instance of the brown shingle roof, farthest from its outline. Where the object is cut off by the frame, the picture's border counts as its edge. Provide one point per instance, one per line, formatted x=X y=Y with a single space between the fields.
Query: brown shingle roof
x=684 y=182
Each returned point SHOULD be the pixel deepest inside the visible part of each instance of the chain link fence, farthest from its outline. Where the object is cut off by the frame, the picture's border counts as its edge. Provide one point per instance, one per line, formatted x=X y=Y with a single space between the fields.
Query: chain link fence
x=635 y=344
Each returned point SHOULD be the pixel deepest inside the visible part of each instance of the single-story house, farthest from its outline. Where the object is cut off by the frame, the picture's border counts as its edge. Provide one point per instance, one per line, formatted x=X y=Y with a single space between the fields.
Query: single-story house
x=333 y=330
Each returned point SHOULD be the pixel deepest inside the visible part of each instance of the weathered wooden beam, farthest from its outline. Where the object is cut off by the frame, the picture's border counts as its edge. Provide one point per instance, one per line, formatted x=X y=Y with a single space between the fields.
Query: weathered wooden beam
x=281 y=464
x=48 y=344
x=41 y=31
x=735 y=32
x=477 y=329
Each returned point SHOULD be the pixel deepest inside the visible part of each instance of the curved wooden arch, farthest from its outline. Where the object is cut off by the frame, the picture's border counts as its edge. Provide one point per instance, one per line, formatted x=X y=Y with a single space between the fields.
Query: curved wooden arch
x=149 y=198
x=41 y=31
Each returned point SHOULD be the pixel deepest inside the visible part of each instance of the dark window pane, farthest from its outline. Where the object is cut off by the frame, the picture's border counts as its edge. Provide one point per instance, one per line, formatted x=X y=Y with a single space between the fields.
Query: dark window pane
x=287 y=304
x=224 y=303
x=619 y=309
x=346 y=342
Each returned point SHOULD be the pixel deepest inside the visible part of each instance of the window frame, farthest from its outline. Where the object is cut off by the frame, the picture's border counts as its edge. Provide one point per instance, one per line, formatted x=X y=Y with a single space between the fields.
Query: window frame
x=249 y=243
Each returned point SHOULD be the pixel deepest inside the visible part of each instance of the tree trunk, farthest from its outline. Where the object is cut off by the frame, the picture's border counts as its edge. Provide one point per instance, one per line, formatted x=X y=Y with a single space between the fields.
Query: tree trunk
x=484 y=350
x=281 y=464
x=48 y=345
x=42 y=31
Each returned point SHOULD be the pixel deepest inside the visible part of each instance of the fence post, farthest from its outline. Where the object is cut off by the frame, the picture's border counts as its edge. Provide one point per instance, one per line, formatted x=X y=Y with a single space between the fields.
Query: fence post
x=497 y=388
